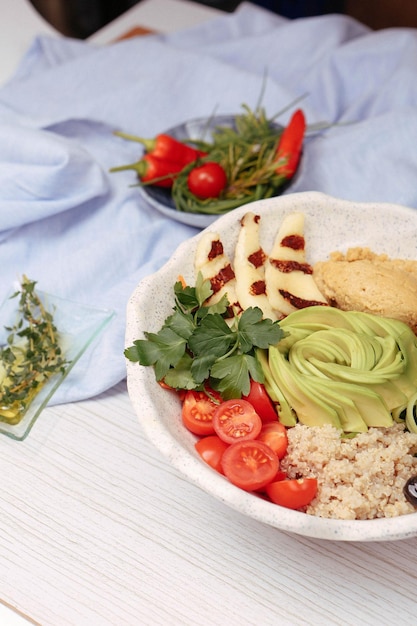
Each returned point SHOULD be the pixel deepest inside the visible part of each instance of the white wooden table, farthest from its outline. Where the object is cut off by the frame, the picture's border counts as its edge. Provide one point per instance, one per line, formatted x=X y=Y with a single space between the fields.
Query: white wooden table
x=97 y=529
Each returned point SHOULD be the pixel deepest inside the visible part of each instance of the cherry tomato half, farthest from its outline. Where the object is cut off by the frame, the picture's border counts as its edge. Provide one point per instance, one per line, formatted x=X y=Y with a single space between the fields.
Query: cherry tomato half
x=236 y=420
x=211 y=449
x=180 y=392
x=207 y=180
x=250 y=464
x=274 y=434
x=197 y=412
x=280 y=475
x=261 y=402
x=293 y=493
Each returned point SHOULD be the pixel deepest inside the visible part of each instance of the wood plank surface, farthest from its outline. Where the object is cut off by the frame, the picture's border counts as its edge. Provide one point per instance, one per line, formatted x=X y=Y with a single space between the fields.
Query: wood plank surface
x=97 y=529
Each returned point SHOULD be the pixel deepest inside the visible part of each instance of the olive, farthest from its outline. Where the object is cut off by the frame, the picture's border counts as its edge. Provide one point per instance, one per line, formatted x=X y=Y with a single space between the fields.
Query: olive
x=410 y=490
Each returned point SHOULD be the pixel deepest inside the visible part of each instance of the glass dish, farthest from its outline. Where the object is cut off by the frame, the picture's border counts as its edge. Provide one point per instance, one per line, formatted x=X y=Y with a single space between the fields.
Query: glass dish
x=77 y=324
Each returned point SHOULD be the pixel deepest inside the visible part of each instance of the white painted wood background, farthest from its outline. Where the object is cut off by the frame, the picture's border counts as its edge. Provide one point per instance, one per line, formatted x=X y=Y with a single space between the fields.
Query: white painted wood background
x=96 y=529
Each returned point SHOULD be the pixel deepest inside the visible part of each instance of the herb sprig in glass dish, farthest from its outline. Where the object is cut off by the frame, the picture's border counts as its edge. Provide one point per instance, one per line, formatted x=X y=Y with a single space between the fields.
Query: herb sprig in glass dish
x=31 y=355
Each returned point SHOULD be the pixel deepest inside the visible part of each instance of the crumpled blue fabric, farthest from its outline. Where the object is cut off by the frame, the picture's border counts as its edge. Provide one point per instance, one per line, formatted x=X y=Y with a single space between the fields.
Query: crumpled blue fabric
x=88 y=235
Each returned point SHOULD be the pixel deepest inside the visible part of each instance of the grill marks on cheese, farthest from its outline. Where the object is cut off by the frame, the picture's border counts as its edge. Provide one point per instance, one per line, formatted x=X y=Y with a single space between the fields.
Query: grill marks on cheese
x=215 y=266
x=278 y=284
x=249 y=264
x=288 y=276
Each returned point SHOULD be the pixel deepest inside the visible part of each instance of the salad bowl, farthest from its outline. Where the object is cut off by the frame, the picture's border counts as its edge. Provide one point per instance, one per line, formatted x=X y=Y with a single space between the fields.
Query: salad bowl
x=330 y=224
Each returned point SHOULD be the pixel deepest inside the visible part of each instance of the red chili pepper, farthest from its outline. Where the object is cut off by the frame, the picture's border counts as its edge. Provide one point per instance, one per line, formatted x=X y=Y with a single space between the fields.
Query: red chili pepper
x=153 y=171
x=290 y=145
x=167 y=148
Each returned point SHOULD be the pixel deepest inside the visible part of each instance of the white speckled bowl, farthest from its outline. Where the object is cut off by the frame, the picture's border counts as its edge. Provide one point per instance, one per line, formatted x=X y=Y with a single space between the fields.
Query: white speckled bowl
x=331 y=224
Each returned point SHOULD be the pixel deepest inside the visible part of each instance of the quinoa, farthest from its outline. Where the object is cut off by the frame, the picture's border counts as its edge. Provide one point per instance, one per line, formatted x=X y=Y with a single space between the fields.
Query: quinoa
x=358 y=478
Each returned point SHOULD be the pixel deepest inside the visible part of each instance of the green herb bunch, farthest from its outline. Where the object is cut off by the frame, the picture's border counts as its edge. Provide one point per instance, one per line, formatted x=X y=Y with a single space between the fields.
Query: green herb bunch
x=31 y=355
x=247 y=153
x=196 y=345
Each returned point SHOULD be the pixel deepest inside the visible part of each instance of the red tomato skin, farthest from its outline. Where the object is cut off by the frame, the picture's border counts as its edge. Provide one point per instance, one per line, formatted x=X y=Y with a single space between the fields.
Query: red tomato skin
x=274 y=434
x=207 y=180
x=250 y=464
x=180 y=392
x=197 y=412
x=236 y=420
x=293 y=493
x=211 y=449
x=261 y=402
x=280 y=475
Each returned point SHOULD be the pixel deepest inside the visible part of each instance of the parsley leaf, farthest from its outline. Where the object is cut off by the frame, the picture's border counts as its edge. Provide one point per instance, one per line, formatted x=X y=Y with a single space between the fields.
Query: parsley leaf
x=201 y=367
x=180 y=377
x=255 y=331
x=232 y=376
x=180 y=323
x=196 y=344
x=212 y=336
x=162 y=350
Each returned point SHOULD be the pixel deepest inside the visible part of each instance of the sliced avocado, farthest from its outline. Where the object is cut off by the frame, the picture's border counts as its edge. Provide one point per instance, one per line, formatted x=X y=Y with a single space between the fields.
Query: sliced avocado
x=411 y=415
x=309 y=407
x=348 y=369
x=334 y=394
x=285 y=412
x=391 y=394
x=370 y=405
x=317 y=318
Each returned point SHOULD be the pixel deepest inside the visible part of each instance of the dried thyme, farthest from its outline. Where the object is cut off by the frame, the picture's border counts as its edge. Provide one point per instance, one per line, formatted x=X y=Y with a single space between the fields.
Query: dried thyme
x=31 y=355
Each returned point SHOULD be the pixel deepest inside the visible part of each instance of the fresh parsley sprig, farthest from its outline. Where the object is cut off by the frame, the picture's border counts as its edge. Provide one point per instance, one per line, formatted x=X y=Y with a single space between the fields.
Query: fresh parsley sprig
x=196 y=344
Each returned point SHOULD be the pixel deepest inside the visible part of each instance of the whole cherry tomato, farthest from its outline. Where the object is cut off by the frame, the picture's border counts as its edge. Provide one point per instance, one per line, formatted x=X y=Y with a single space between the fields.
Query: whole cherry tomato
x=292 y=493
x=261 y=402
x=211 y=450
x=274 y=434
x=207 y=180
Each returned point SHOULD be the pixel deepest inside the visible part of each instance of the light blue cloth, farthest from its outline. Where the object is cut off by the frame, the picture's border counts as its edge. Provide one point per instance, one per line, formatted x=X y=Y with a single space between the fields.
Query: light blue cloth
x=87 y=235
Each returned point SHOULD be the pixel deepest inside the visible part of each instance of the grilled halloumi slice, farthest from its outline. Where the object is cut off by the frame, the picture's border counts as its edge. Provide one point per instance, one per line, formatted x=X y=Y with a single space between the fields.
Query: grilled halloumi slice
x=249 y=266
x=289 y=278
x=215 y=266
